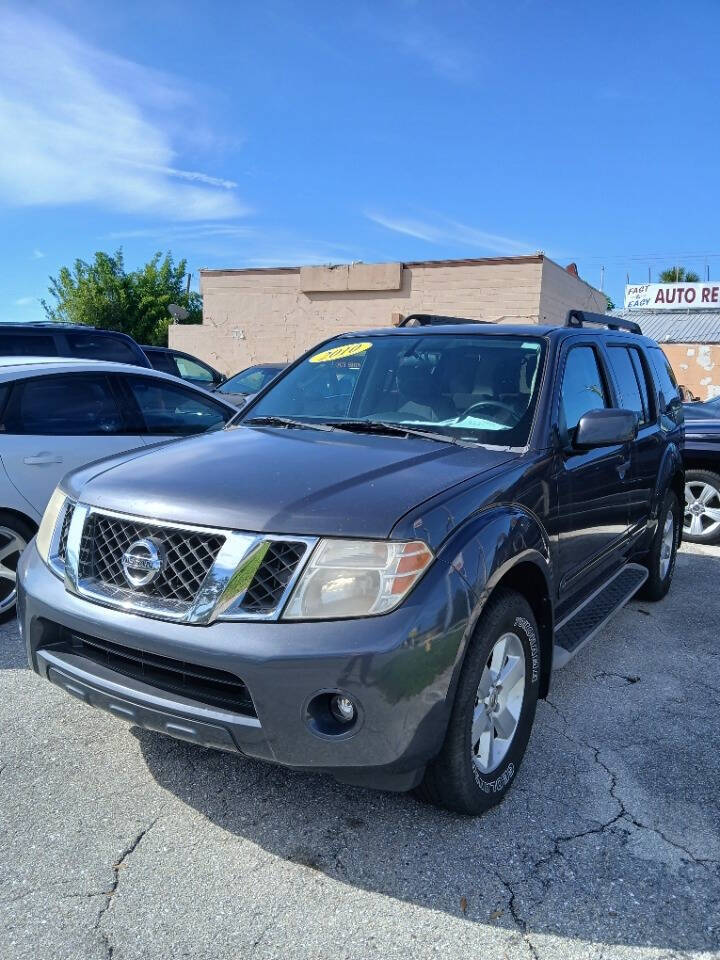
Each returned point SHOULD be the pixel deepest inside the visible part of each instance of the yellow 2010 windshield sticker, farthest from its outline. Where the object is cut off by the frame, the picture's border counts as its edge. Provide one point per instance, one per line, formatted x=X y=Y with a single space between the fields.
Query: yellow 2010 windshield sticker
x=339 y=353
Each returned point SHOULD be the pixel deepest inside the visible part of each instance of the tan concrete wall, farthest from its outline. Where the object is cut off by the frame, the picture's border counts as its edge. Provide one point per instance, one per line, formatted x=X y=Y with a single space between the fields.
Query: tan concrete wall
x=253 y=316
x=561 y=291
x=696 y=366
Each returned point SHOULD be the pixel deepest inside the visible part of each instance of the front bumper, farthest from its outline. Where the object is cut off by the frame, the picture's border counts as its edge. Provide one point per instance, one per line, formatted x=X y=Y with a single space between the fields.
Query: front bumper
x=398 y=668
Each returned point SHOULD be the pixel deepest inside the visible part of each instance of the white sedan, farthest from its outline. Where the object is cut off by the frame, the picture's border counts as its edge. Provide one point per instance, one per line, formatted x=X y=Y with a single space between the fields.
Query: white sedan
x=57 y=414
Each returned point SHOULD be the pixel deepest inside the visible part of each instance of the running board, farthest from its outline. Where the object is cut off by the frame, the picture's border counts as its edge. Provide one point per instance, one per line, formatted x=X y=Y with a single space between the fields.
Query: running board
x=572 y=633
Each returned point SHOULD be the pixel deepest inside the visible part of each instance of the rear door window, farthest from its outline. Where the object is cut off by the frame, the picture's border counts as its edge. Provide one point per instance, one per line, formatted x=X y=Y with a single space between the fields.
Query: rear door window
x=168 y=409
x=80 y=404
x=101 y=346
x=162 y=361
x=629 y=396
x=20 y=344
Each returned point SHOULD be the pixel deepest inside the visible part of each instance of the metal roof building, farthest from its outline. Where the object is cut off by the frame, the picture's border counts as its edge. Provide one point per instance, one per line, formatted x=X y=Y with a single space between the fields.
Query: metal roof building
x=682 y=326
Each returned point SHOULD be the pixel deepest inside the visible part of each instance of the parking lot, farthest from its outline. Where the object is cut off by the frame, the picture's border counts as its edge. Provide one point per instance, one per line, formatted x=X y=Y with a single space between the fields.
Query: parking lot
x=119 y=843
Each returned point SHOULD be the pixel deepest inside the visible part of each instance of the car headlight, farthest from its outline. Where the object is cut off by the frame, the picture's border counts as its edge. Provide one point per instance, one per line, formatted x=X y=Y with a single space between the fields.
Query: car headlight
x=44 y=536
x=357 y=578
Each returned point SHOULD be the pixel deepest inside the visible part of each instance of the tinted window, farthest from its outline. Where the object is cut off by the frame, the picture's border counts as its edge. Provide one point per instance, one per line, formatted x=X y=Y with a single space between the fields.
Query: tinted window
x=645 y=388
x=249 y=381
x=192 y=370
x=665 y=376
x=161 y=361
x=477 y=387
x=583 y=388
x=626 y=380
x=27 y=344
x=170 y=410
x=101 y=346
x=69 y=405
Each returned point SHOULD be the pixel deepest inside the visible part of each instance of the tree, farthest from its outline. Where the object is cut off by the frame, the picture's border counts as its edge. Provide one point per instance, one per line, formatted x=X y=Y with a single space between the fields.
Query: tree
x=610 y=303
x=104 y=294
x=679 y=275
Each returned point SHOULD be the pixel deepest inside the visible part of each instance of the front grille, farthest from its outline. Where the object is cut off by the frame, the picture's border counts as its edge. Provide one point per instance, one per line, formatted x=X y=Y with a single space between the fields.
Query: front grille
x=189 y=555
x=64 y=530
x=209 y=686
x=272 y=577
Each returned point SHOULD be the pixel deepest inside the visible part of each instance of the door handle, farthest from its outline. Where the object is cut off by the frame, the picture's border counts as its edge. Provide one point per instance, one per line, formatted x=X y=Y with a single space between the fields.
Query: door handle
x=42 y=458
x=622 y=468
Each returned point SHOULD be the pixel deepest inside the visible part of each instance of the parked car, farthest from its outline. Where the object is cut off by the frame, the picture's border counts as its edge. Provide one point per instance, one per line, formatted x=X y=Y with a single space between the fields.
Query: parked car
x=373 y=582
x=703 y=409
x=243 y=386
x=69 y=340
x=185 y=366
x=701 y=522
x=56 y=414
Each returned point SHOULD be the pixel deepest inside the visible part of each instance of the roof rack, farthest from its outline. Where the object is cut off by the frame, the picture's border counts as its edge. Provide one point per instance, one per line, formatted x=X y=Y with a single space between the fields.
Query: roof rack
x=578 y=318
x=433 y=319
x=46 y=323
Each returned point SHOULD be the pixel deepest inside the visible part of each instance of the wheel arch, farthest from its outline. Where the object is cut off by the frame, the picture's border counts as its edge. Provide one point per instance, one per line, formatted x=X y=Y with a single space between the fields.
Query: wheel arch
x=19 y=515
x=508 y=547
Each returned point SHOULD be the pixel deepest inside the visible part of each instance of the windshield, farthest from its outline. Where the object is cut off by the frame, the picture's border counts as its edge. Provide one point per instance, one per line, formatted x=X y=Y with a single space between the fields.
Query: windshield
x=474 y=387
x=249 y=381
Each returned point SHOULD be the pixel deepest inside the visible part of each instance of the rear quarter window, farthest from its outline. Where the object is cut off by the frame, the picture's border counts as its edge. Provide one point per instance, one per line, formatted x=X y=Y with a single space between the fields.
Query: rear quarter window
x=18 y=344
x=102 y=346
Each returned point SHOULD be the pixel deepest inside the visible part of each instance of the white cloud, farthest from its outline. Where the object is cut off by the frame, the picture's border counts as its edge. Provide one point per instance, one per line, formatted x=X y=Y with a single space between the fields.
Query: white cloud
x=37 y=254
x=88 y=127
x=451 y=231
x=25 y=301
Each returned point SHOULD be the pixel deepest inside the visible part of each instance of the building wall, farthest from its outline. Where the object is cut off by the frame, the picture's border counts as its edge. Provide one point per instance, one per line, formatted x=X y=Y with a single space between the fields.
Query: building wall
x=561 y=290
x=697 y=366
x=253 y=316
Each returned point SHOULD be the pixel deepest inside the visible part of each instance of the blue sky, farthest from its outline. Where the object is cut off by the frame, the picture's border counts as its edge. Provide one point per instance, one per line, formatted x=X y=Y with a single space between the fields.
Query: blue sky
x=251 y=134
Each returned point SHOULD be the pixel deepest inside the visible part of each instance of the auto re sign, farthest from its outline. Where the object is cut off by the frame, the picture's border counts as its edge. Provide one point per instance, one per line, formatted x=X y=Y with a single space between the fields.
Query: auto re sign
x=672 y=296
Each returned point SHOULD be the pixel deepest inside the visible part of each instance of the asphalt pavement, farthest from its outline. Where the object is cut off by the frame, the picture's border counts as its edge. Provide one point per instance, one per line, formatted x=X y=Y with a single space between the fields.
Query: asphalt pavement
x=116 y=843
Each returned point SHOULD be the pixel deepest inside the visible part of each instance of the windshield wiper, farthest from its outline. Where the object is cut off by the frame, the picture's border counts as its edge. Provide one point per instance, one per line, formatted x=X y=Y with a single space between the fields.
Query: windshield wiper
x=393 y=429
x=283 y=422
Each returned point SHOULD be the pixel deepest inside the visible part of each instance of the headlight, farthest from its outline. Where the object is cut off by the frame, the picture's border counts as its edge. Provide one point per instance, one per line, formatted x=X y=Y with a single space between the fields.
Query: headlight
x=357 y=578
x=44 y=537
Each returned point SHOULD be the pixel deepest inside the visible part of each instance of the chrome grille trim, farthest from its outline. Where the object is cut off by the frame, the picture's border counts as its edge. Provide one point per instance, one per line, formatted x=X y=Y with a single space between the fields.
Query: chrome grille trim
x=58 y=542
x=221 y=593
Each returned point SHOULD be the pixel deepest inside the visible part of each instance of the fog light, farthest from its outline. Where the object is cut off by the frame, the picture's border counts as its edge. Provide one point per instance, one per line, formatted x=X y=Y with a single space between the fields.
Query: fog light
x=342 y=708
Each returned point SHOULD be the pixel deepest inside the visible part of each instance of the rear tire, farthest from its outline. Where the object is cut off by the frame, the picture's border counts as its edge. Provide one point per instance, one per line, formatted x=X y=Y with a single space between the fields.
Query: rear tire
x=701 y=520
x=497 y=695
x=15 y=534
x=663 y=552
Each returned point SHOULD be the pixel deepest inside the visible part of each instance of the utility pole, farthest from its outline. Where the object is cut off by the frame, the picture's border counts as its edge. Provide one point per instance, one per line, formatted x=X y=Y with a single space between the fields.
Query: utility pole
x=602 y=277
x=187 y=286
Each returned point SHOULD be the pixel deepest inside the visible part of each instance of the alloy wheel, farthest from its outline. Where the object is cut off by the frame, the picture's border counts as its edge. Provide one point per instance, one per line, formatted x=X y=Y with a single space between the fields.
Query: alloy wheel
x=667 y=544
x=498 y=703
x=702 y=509
x=12 y=545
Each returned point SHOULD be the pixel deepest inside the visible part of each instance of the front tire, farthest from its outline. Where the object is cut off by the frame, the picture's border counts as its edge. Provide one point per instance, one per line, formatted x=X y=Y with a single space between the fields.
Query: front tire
x=493 y=712
x=15 y=534
x=701 y=521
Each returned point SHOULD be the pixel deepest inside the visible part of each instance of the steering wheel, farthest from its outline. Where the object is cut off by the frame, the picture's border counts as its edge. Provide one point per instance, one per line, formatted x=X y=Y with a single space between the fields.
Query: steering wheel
x=495 y=404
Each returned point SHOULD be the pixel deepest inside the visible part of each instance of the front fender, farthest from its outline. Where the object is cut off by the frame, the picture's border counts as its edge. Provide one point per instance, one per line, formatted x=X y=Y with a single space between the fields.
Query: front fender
x=490 y=548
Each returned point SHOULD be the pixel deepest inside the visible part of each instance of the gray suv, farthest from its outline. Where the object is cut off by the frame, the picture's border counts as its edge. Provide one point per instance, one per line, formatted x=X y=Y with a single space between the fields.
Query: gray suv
x=374 y=569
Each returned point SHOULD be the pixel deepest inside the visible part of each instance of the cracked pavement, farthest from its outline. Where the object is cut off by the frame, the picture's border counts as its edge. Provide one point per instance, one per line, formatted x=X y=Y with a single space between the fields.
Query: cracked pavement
x=117 y=843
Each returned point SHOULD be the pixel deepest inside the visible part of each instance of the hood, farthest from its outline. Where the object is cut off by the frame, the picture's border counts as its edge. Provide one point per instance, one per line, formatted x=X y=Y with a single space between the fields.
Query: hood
x=703 y=428
x=273 y=480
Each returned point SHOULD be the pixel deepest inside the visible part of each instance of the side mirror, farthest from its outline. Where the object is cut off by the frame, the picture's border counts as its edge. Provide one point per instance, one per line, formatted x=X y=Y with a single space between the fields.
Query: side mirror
x=604 y=428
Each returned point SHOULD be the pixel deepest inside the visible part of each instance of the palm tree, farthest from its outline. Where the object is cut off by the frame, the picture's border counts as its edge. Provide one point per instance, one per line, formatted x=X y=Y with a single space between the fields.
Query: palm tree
x=679 y=275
